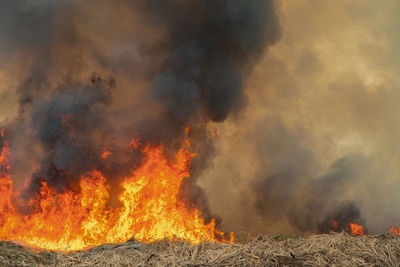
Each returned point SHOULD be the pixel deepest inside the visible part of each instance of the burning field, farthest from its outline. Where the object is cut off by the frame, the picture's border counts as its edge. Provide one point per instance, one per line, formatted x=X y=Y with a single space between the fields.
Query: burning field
x=171 y=132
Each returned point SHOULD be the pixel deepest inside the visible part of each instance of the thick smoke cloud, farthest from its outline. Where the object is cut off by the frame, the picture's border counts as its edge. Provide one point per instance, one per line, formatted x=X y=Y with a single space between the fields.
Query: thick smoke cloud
x=320 y=135
x=87 y=76
x=286 y=139
x=210 y=44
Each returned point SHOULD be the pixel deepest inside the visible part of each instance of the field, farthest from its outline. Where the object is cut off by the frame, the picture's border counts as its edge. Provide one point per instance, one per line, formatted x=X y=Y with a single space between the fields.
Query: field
x=338 y=249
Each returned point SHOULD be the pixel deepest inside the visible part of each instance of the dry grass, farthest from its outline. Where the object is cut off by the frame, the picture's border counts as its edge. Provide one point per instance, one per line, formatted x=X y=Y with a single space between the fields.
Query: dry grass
x=318 y=250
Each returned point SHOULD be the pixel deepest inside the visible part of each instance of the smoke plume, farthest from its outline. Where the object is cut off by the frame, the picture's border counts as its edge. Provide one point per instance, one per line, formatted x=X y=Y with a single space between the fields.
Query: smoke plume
x=293 y=112
x=88 y=76
x=318 y=139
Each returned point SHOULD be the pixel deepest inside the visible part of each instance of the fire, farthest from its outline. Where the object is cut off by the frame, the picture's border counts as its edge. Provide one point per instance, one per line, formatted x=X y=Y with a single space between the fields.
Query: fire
x=148 y=210
x=351 y=227
x=334 y=225
x=105 y=154
x=395 y=230
x=356 y=229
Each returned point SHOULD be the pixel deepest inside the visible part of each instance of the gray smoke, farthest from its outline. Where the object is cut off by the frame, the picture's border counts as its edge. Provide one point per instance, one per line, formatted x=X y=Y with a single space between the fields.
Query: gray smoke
x=163 y=64
x=211 y=46
x=312 y=139
x=319 y=138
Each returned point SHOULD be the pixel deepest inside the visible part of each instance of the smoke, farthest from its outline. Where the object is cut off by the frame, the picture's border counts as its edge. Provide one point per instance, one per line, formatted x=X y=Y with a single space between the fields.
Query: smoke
x=294 y=114
x=88 y=76
x=210 y=47
x=318 y=139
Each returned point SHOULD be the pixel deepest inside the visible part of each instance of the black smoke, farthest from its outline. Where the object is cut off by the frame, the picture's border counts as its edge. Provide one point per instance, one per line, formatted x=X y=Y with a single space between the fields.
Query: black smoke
x=211 y=47
x=164 y=64
x=340 y=219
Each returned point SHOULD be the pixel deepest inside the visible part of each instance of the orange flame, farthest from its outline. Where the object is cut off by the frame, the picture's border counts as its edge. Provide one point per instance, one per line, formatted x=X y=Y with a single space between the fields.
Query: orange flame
x=351 y=228
x=356 y=229
x=105 y=154
x=334 y=225
x=149 y=208
x=395 y=230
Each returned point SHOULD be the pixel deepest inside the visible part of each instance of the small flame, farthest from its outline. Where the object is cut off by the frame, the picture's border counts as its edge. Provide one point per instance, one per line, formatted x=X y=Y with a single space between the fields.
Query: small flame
x=188 y=131
x=356 y=229
x=105 y=154
x=395 y=230
x=351 y=227
x=135 y=144
x=65 y=118
x=334 y=225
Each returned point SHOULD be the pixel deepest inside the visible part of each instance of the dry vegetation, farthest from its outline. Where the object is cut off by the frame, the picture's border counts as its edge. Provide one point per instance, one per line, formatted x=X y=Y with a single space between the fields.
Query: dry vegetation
x=335 y=249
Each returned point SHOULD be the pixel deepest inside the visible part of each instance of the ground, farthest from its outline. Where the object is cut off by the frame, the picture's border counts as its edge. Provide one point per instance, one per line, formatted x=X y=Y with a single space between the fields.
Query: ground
x=338 y=249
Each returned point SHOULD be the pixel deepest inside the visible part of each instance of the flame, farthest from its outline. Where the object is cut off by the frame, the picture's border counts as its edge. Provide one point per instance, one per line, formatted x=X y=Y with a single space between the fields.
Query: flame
x=105 y=154
x=149 y=208
x=395 y=230
x=333 y=225
x=355 y=229
x=351 y=227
